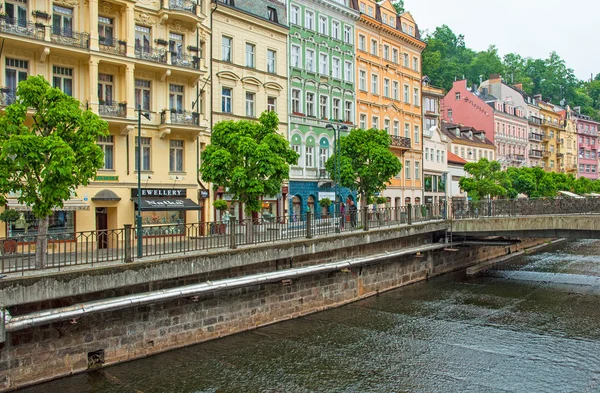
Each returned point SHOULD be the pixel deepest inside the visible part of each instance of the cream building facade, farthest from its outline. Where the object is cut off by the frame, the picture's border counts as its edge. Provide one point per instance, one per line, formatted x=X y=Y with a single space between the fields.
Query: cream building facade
x=250 y=71
x=114 y=56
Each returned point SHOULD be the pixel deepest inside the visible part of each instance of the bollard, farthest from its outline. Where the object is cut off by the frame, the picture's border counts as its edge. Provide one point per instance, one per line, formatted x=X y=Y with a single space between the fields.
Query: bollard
x=308 y=225
x=128 y=256
x=410 y=213
x=232 y=239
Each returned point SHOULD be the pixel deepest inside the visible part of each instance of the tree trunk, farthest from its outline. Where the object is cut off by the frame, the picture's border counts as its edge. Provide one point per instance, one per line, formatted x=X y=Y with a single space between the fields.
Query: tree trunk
x=41 y=243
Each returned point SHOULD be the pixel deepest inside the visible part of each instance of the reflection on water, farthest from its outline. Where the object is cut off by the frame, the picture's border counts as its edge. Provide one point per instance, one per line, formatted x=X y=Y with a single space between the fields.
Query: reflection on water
x=529 y=326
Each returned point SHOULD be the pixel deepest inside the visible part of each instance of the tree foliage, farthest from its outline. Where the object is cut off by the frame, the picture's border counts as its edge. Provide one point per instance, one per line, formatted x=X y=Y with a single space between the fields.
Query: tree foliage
x=446 y=59
x=45 y=156
x=248 y=158
x=399 y=6
x=486 y=178
x=366 y=162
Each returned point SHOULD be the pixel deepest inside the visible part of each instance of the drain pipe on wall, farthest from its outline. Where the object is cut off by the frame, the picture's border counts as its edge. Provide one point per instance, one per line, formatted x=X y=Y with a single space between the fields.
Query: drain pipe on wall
x=75 y=311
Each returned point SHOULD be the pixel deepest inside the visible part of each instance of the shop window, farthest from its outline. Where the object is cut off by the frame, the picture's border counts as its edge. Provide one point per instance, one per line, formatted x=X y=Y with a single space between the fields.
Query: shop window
x=61 y=226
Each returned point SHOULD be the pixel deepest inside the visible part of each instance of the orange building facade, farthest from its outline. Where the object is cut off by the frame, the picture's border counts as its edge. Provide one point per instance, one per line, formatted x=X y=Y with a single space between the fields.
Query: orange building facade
x=388 y=76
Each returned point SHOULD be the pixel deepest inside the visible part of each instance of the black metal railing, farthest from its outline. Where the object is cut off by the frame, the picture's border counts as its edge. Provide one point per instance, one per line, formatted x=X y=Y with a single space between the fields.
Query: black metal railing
x=183 y=5
x=535 y=137
x=18 y=253
x=70 y=38
x=20 y=28
x=524 y=207
x=111 y=45
x=157 y=55
x=183 y=60
x=535 y=153
x=180 y=117
x=400 y=141
x=112 y=109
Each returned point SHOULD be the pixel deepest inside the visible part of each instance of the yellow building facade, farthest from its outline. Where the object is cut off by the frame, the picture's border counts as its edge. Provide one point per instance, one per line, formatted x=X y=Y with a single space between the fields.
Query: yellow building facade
x=114 y=56
x=250 y=71
x=552 y=130
x=389 y=90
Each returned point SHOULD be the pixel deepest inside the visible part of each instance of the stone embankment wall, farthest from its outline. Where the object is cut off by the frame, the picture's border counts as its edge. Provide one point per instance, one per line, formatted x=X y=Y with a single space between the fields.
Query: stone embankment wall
x=98 y=340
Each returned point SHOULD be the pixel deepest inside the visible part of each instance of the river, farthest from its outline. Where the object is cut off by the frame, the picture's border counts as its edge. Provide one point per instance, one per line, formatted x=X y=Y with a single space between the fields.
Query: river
x=530 y=325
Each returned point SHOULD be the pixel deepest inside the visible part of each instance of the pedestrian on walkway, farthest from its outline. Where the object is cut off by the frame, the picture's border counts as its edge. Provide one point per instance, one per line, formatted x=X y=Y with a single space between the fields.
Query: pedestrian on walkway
x=352 y=210
x=342 y=215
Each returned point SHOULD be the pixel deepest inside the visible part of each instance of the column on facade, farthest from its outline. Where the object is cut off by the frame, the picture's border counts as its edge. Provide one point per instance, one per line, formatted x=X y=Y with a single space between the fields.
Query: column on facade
x=130 y=29
x=93 y=98
x=130 y=90
x=93 y=23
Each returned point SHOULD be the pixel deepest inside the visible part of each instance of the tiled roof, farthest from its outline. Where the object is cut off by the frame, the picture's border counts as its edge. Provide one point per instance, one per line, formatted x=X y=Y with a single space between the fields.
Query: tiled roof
x=455 y=159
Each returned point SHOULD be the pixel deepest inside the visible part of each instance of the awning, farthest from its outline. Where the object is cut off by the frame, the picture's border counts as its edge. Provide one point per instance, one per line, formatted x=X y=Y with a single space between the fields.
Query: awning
x=106 y=195
x=149 y=204
x=70 y=205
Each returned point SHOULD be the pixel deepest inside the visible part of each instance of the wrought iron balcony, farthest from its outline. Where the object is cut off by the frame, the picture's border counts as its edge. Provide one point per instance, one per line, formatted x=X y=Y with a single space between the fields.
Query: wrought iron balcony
x=111 y=45
x=535 y=136
x=545 y=138
x=535 y=153
x=546 y=154
x=7 y=96
x=183 y=5
x=23 y=29
x=112 y=109
x=179 y=117
x=183 y=60
x=560 y=155
x=535 y=120
x=70 y=38
x=157 y=55
x=400 y=141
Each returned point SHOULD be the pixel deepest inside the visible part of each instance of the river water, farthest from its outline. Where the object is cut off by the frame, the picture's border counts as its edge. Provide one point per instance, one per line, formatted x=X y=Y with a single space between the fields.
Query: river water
x=530 y=325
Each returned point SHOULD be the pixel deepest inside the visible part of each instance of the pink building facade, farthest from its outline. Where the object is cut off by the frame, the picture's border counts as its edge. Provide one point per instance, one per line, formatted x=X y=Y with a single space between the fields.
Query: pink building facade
x=587 y=145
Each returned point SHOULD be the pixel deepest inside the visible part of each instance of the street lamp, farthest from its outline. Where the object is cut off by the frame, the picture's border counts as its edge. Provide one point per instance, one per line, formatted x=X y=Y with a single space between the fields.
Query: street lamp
x=138 y=218
x=336 y=166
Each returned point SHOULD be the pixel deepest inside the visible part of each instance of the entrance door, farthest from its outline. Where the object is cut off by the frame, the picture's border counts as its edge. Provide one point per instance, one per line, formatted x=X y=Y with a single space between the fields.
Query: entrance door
x=102 y=227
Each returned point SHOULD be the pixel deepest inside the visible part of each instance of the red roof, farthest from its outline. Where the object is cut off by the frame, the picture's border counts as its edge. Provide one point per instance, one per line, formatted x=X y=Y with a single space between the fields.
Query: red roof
x=455 y=159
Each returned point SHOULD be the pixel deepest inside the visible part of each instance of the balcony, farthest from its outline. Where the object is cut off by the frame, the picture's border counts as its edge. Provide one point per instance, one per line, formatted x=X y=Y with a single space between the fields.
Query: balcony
x=70 y=38
x=535 y=137
x=401 y=142
x=560 y=155
x=535 y=120
x=571 y=168
x=23 y=29
x=180 y=117
x=545 y=138
x=112 y=109
x=535 y=153
x=184 y=10
x=545 y=154
x=159 y=55
x=113 y=46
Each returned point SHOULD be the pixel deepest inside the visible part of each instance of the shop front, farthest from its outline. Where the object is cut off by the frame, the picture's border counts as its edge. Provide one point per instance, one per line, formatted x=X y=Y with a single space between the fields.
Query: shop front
x=164 y=208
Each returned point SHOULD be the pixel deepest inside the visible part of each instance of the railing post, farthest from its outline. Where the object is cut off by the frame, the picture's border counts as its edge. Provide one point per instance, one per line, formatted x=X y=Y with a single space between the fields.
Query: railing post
x=409 y=214
x=365 y=214
x=490 y=208
x=309 y=225
x=232 y=234
x=127 y=247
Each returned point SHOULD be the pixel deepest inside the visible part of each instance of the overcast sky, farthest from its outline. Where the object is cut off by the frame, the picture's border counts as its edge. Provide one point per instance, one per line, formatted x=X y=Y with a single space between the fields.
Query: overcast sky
x=531 y=28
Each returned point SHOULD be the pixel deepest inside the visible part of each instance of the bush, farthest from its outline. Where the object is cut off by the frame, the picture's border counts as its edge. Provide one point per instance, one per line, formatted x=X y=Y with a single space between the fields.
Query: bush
x=325 y=202
x=381 y=200
x=9 y=215
x=220 y=204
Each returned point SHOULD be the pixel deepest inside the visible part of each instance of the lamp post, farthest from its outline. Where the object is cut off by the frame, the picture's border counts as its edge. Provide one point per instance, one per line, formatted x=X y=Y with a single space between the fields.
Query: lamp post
x=336 y=166
x=138 y=217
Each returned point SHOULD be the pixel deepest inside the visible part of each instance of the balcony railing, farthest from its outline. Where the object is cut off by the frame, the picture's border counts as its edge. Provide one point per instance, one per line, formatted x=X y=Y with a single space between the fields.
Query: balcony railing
x=535 y=153
x=111 y=45
x=560 y=155
x=546 y=154
x=535 y=120
x=183 y=60
x=24 y=29
x=70 y=38
x=112 y=109
x=7 y=96
x=157 y=55
x=545 y=138
x=179 y=117
x=183 y=5
x=400 y=141
x=535 y=137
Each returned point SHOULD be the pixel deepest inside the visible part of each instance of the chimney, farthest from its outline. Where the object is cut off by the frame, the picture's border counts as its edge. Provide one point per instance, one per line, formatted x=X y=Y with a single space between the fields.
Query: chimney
x=484 y=91
x=518 y=86
x=474 y=88
x=495 y=78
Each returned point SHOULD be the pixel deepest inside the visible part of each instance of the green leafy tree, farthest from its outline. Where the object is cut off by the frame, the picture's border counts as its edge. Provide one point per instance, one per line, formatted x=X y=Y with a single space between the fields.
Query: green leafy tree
x=248 y=158
x=399 y=6
x=485 y=178
x=366 y=162
x=45 y=156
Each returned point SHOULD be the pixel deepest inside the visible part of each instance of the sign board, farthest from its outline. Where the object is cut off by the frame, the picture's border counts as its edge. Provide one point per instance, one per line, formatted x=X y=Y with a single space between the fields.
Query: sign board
x=160 y=192
x=329 y=195
x=106 y=178
x=203 y=194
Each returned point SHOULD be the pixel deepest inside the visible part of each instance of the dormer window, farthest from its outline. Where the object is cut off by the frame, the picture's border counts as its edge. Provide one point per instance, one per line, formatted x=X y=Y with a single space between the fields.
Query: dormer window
x=272 y=14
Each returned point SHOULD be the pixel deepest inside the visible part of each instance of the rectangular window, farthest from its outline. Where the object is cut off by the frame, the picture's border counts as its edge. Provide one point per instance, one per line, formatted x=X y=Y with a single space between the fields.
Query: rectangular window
x=295 y=15
x=310 y=104
x=323 y=155
x=62 y=79
x=250 y=112
x=106 y=31
x=107 y=145
x=296 y=60
x=374 y=48
x=309 y=157
x=386 y=87
x=272 y=14
x=336 y=109
x=406 y=130
x=348 y=71
x=62 y=21
x=323 y=25
x=16 y=13
x=271 y=57
x=226 y=94
x=310 y=60
x=250 y=48
x=335 y=68
x=145 y=153
x=386 y=52
x=348 y=34
x=416 y=97
x=176 y=156
x=396 y=128
x=395 y=90
x=374 y=84
x=362 y=42
x=226 y=44
x=142 y=39
x=386 y=125
x=142 y=94
x=407 y=171
x=105 y=89
x=375 y=122
x=417 y=134
x=370 y=11
x=417 y=170
x=324 y=107
x=406 y=94
x=335 y=30
x=309 y=20
x=176 y=46
x=296 y=108
x=362 y=8
x=363 y=121
x=427 y=154
x=271 y=104
x=323 y=64
x=362 y=82
x=176 y=94
x=406 y=60
x=395 y=55
x=416 y=63
x=348 y=110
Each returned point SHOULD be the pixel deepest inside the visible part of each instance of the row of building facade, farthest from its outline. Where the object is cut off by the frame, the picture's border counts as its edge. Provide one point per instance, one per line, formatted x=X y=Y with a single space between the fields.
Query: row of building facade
x=324 y=66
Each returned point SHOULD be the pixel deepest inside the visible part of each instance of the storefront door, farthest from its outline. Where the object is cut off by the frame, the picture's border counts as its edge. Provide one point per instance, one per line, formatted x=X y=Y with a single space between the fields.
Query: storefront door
x=102 y=227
